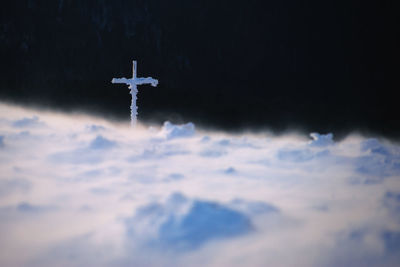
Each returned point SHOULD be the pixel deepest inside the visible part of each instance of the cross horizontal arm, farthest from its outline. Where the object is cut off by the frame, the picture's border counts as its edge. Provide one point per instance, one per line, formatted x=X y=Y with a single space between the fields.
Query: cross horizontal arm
x=136 y=81
x=147 y=80
x=120 y=80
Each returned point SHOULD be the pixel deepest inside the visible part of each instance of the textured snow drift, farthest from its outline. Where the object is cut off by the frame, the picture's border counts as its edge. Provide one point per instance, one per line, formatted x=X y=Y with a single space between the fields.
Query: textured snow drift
x=80 y=191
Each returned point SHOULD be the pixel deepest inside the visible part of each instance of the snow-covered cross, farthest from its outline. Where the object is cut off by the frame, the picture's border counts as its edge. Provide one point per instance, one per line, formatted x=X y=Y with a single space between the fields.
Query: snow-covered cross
x=133 y=83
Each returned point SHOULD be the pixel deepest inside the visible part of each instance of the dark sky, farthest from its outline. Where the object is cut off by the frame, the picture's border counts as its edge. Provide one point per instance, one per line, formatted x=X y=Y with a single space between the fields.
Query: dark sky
x=311 y=65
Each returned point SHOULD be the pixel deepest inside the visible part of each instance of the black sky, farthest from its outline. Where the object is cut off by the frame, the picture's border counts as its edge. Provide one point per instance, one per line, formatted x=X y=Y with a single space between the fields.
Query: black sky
x=312 y=65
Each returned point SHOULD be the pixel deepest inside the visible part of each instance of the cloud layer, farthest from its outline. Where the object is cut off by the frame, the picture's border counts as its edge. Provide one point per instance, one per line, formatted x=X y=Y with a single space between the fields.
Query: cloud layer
x=80 y=191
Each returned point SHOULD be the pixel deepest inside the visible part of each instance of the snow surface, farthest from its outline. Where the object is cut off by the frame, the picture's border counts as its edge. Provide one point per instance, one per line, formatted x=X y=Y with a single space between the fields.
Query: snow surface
x=80 y=191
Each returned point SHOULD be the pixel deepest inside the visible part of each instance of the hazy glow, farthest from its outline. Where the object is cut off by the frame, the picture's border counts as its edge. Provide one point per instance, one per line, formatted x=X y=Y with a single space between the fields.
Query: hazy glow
x=80 y=191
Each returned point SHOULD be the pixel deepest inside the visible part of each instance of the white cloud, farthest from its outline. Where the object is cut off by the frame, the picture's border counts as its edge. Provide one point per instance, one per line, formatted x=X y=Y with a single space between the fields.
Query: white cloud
x=79 y=191
x=28 y=122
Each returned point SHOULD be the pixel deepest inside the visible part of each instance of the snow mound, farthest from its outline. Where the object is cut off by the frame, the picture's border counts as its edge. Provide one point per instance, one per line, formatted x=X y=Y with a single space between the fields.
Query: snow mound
x=171 y=131
x=321 y=139
x=185 y=224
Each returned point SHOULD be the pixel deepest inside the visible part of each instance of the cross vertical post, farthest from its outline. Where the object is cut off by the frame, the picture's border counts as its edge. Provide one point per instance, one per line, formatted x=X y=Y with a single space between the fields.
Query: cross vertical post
x=132 y=85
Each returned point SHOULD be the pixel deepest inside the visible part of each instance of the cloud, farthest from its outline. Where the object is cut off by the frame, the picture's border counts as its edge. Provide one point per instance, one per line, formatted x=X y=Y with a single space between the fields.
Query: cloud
x=102 y=143
x=170 y=131
x=32 y=122
x=95 y=128
x=73 y=187
x=25 y=207
x=254 y=207
x=185 y=224
x=391 y=201
x=79 y=156
x=378 y=161
x=13 y=186
x=321 y=139
x=300 y=155
x=90 y=154
x=392 y=241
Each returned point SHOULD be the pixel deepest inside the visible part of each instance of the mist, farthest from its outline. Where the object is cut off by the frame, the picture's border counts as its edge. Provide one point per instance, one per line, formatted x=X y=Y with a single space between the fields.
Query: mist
x=80 y=190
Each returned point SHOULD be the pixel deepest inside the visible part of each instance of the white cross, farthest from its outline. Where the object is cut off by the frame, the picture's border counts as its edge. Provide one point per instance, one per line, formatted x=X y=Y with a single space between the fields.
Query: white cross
x=133 y=82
